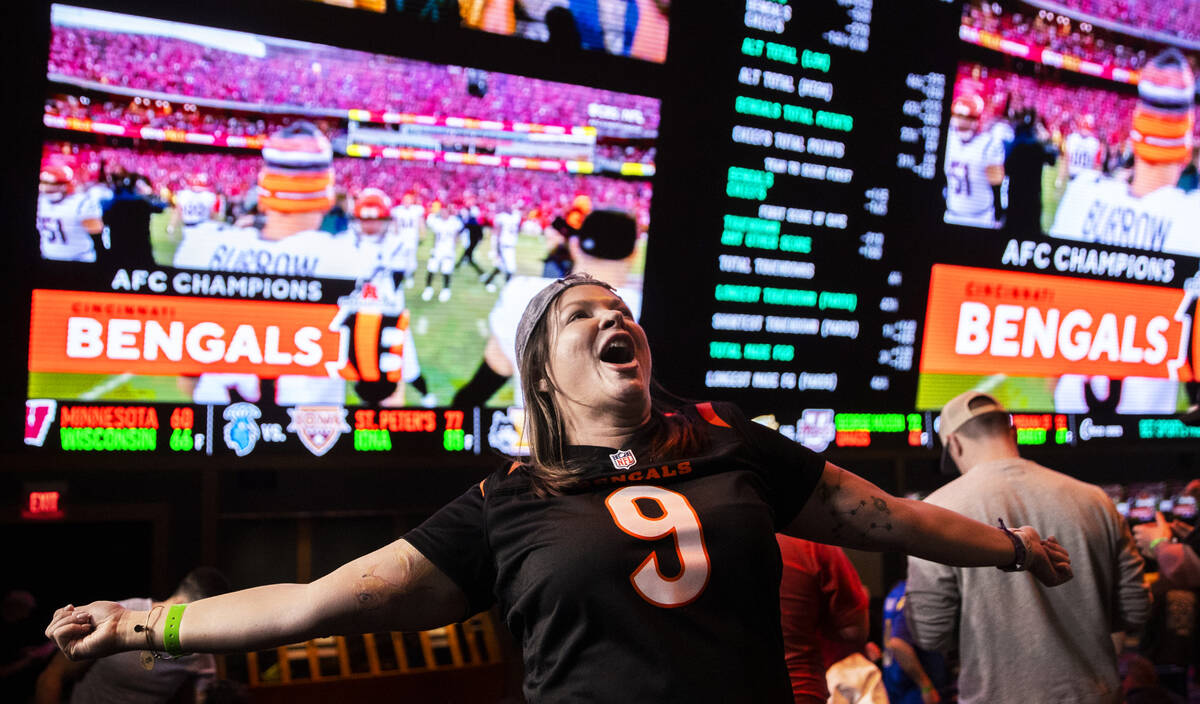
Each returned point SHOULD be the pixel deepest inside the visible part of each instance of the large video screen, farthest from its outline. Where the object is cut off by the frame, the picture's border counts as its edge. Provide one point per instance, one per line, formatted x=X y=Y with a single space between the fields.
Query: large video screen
x=632 y=28
x=860 y=209
x=254 y=244
x=917 y=199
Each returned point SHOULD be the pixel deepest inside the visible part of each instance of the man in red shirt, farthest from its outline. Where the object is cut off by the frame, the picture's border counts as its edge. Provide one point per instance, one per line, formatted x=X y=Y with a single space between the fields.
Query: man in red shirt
x=823 y=607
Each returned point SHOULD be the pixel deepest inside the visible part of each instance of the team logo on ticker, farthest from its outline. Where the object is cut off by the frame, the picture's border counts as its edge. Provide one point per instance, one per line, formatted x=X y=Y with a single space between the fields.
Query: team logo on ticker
x=241 y=430
x=318 y=427
x=39 y=416
x=816 y=428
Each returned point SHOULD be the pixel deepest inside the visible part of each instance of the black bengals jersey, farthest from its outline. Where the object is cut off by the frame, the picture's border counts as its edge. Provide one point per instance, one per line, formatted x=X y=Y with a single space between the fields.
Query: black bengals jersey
x=657 y=580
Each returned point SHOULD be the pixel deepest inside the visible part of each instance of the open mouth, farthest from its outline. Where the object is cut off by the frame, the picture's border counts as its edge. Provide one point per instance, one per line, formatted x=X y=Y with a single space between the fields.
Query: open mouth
x=618 y=351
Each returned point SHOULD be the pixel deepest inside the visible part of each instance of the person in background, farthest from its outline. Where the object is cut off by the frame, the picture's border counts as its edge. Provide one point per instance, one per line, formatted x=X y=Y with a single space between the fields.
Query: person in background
x=1174 y=545
x=856 y=678
x=473 y=227
x=337 y=219
x=122 y=677
x=1140 y=683
x=506 y=228
x=974 y=167
x=1189 y=179
x=24 y=649
x=446 y=226
x=127 y=217
x=823 y=612
x=559 y=260
x=69 y=224
x=911 y=675
x=196 y=203
x=1026 y=158
x=1169 y=640
x=1018 y=642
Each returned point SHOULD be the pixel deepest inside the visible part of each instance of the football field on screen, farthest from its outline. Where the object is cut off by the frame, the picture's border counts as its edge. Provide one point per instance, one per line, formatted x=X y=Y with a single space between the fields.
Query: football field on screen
x=450 y=336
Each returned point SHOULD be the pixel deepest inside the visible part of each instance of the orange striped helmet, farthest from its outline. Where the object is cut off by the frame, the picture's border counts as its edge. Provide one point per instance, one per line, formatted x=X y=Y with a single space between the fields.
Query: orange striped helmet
x=372 y=204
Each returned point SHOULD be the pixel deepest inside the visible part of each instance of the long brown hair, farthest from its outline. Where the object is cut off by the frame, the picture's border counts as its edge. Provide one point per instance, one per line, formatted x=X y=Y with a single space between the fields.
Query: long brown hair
x=551 y=470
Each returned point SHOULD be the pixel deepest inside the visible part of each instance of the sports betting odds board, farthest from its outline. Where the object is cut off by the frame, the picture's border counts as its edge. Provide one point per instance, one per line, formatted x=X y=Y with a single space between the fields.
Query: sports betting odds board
x=842 y=214
x=906 y=201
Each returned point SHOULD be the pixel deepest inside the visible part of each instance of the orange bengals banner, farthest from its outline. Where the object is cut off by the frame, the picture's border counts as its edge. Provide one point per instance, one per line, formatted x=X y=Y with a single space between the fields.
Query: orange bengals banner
x=985 y=321
x=113 y=333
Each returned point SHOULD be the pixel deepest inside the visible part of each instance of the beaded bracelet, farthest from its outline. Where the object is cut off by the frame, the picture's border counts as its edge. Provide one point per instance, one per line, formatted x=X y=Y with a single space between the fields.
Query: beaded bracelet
x=150 y=654
x=1020 y=552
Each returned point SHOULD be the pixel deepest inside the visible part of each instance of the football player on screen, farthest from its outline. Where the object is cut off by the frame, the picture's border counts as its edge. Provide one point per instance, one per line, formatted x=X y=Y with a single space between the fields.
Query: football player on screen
x=195 y=204
x=295 y=191
x=69 y=224
x=974 y=167
x=446 y=227
x=409 y=217
x=1148 y=211
x=506 y=226
x=382 y=353
x=1082 y=151
x=605 y=245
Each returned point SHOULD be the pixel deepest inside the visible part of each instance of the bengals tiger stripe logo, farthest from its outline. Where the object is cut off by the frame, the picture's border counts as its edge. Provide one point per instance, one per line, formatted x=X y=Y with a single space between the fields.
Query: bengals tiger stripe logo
x=376 y=347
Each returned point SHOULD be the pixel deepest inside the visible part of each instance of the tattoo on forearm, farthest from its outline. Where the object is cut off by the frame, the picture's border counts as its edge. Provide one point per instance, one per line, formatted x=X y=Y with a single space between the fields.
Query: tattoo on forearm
x=859 y=524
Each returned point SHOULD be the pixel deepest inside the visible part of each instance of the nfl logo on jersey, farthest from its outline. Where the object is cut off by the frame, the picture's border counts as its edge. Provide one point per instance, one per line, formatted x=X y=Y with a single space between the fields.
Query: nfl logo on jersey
x=623 y=459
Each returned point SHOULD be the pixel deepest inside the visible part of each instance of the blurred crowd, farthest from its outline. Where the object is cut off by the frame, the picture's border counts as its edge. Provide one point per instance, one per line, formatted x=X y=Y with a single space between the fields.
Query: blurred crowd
x=1176 y=17
x=325 y=78
x=232 y=175
x=1072 y=37
x=1058 y=105
x=161 y=114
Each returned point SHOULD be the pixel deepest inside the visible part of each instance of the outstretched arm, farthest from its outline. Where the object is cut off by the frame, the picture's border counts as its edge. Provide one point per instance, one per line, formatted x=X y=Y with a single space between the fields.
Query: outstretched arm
x=847 y=510
x=907 y=658
x=393 y=588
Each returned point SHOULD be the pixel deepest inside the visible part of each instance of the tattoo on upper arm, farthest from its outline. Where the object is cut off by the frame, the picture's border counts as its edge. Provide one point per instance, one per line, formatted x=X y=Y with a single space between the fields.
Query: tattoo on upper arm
x=860 y=523
x=372 y=591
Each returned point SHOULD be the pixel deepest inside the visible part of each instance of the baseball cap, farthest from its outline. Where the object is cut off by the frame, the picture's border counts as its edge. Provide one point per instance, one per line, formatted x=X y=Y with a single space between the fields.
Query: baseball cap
x=956 y=412
x=540 y=302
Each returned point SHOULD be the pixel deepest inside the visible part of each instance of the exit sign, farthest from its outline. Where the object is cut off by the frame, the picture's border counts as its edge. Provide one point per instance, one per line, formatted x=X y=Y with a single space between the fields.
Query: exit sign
x=42 y=505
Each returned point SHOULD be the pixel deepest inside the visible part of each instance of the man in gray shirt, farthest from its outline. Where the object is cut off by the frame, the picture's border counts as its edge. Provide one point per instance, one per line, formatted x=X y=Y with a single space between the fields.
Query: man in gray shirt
x=1020 y=642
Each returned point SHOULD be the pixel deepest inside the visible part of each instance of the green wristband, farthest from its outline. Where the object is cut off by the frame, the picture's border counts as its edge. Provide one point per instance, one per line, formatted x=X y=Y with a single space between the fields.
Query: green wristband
x=1156 y=542
x=171 y=630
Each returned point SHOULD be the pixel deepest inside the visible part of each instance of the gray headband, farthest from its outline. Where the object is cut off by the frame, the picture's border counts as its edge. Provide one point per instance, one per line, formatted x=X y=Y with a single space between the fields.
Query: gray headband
x=539 y=303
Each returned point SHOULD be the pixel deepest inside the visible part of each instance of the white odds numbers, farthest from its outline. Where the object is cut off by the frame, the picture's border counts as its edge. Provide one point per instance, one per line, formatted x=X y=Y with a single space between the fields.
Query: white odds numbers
x=678 y=519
